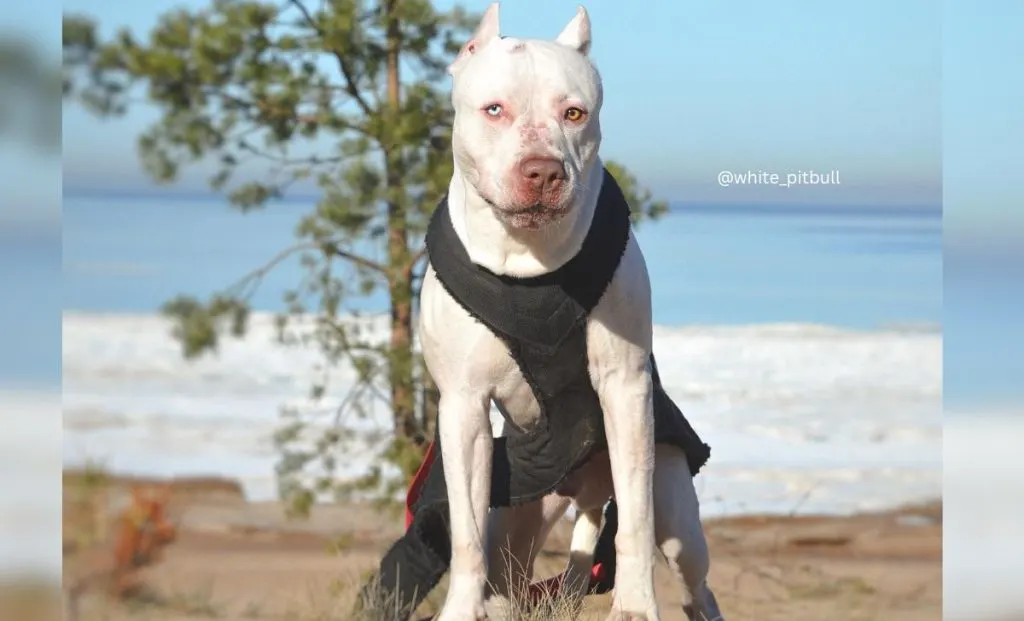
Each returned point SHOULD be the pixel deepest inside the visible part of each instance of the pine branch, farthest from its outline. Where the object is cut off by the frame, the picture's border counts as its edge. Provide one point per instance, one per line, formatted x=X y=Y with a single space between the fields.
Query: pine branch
x=417 y=256
x=246 y=285
x=360 y=261
x=350 y=86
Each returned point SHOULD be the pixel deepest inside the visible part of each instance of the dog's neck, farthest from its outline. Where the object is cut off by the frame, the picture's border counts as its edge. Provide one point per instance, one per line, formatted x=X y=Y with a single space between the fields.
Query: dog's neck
x=520 y=253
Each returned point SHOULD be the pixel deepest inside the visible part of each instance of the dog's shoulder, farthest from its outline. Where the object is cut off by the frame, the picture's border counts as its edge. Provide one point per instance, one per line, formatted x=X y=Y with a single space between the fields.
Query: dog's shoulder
x=458 y=349
x=619 y=329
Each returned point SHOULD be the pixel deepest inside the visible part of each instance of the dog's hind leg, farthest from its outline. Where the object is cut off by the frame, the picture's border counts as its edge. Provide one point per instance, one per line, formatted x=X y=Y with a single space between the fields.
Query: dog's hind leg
x=515 y=537
x=679 y=534
x=585 y=533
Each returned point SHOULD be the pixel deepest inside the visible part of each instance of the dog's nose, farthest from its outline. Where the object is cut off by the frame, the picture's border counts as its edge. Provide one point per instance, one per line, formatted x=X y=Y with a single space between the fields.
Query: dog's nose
x=542 y=172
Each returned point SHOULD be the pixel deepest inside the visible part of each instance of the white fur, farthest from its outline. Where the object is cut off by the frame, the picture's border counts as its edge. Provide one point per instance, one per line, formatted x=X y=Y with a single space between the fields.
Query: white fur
x=530 y=84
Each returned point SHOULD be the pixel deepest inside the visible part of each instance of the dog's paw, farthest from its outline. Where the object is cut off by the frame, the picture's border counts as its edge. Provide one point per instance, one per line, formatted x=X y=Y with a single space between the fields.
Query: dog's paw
x=462 y=611
x=634 y=595
x=465 y=601
x=451 y=614
x=499 y=608
x=702 y=614
x=633 y=611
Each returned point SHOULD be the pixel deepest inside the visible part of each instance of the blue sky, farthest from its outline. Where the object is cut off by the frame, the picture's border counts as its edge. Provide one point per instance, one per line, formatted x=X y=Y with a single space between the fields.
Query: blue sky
x=983 y=130
x=693 y=88
x=890 y=93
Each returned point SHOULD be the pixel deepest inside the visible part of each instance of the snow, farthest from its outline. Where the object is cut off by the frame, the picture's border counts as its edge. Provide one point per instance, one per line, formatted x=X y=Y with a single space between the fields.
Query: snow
x=800 y=418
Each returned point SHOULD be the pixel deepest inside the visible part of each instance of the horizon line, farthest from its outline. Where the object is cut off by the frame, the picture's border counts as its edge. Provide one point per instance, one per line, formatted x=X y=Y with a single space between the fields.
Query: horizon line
x=920 y=208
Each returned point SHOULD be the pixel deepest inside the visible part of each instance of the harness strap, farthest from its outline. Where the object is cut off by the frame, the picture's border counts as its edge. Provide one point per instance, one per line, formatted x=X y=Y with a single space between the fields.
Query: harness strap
x=412 y=496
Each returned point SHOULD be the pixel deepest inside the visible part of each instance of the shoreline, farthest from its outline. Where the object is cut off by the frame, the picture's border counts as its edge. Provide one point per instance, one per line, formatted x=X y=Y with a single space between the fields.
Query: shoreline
x=891 y=326
x=230 y=491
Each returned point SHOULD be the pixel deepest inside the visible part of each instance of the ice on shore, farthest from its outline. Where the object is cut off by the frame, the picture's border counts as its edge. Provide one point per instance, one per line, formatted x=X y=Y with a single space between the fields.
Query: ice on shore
x=800 y=418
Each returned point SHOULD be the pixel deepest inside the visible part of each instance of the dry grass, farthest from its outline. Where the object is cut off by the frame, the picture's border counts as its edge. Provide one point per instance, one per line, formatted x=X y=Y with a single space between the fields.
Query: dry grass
x=771 y=593
x=861 y=568
x=350 y=601
x=104 y=553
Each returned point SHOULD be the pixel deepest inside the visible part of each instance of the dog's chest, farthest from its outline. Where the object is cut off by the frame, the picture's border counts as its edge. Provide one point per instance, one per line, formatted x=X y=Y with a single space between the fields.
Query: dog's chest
x=513 y=395
x=467 y=357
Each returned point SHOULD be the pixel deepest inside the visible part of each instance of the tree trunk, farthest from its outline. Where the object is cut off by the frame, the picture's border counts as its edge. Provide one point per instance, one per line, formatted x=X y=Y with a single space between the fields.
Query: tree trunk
x=400 y=286
x=431 y=399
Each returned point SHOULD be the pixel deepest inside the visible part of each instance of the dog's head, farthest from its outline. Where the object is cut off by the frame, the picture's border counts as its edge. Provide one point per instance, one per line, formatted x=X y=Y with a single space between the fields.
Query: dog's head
x=527 y=127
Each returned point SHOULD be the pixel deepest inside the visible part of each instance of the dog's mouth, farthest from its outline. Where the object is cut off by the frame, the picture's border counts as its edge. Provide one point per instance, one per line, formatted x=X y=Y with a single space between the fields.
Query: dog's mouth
x=524 y=215
x=528 y=217
x=535 y=209
x=533 y=217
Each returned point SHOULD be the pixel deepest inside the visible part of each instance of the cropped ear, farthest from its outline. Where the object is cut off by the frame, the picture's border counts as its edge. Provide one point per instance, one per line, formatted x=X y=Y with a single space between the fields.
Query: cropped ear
x=486 y=31
x=577 y=33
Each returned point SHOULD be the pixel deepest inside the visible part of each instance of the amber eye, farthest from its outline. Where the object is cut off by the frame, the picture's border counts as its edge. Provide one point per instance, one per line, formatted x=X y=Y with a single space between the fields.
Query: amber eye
x=575 y=115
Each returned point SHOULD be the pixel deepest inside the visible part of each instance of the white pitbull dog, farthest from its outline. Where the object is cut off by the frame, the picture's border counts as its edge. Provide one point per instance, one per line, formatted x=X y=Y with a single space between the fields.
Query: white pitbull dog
x=526 y=133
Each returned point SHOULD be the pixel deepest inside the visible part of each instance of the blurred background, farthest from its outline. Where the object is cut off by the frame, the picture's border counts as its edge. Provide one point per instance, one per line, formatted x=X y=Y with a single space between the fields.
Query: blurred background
x=30 y=270
x=228 y=264
x=983 y=299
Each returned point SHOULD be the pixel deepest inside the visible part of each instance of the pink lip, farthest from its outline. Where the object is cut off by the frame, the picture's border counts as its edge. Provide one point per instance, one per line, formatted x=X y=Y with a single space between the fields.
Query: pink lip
x=535 y=208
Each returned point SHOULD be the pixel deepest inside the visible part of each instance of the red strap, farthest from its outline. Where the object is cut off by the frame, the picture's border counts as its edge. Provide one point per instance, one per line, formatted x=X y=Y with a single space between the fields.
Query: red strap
x=547 y=589
x=416 y=486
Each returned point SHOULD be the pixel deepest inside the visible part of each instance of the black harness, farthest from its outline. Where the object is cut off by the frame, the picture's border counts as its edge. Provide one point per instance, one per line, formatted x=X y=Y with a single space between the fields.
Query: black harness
x=542 y=320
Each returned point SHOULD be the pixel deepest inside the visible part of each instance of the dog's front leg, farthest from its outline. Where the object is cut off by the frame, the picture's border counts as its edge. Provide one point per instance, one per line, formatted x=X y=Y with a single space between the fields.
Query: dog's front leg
x=627 y=400
x=619 y=341
x=466 y=448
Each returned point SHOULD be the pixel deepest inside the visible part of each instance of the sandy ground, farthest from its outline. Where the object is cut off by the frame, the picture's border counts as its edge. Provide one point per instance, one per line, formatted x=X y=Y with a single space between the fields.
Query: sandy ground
x=238 y=561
